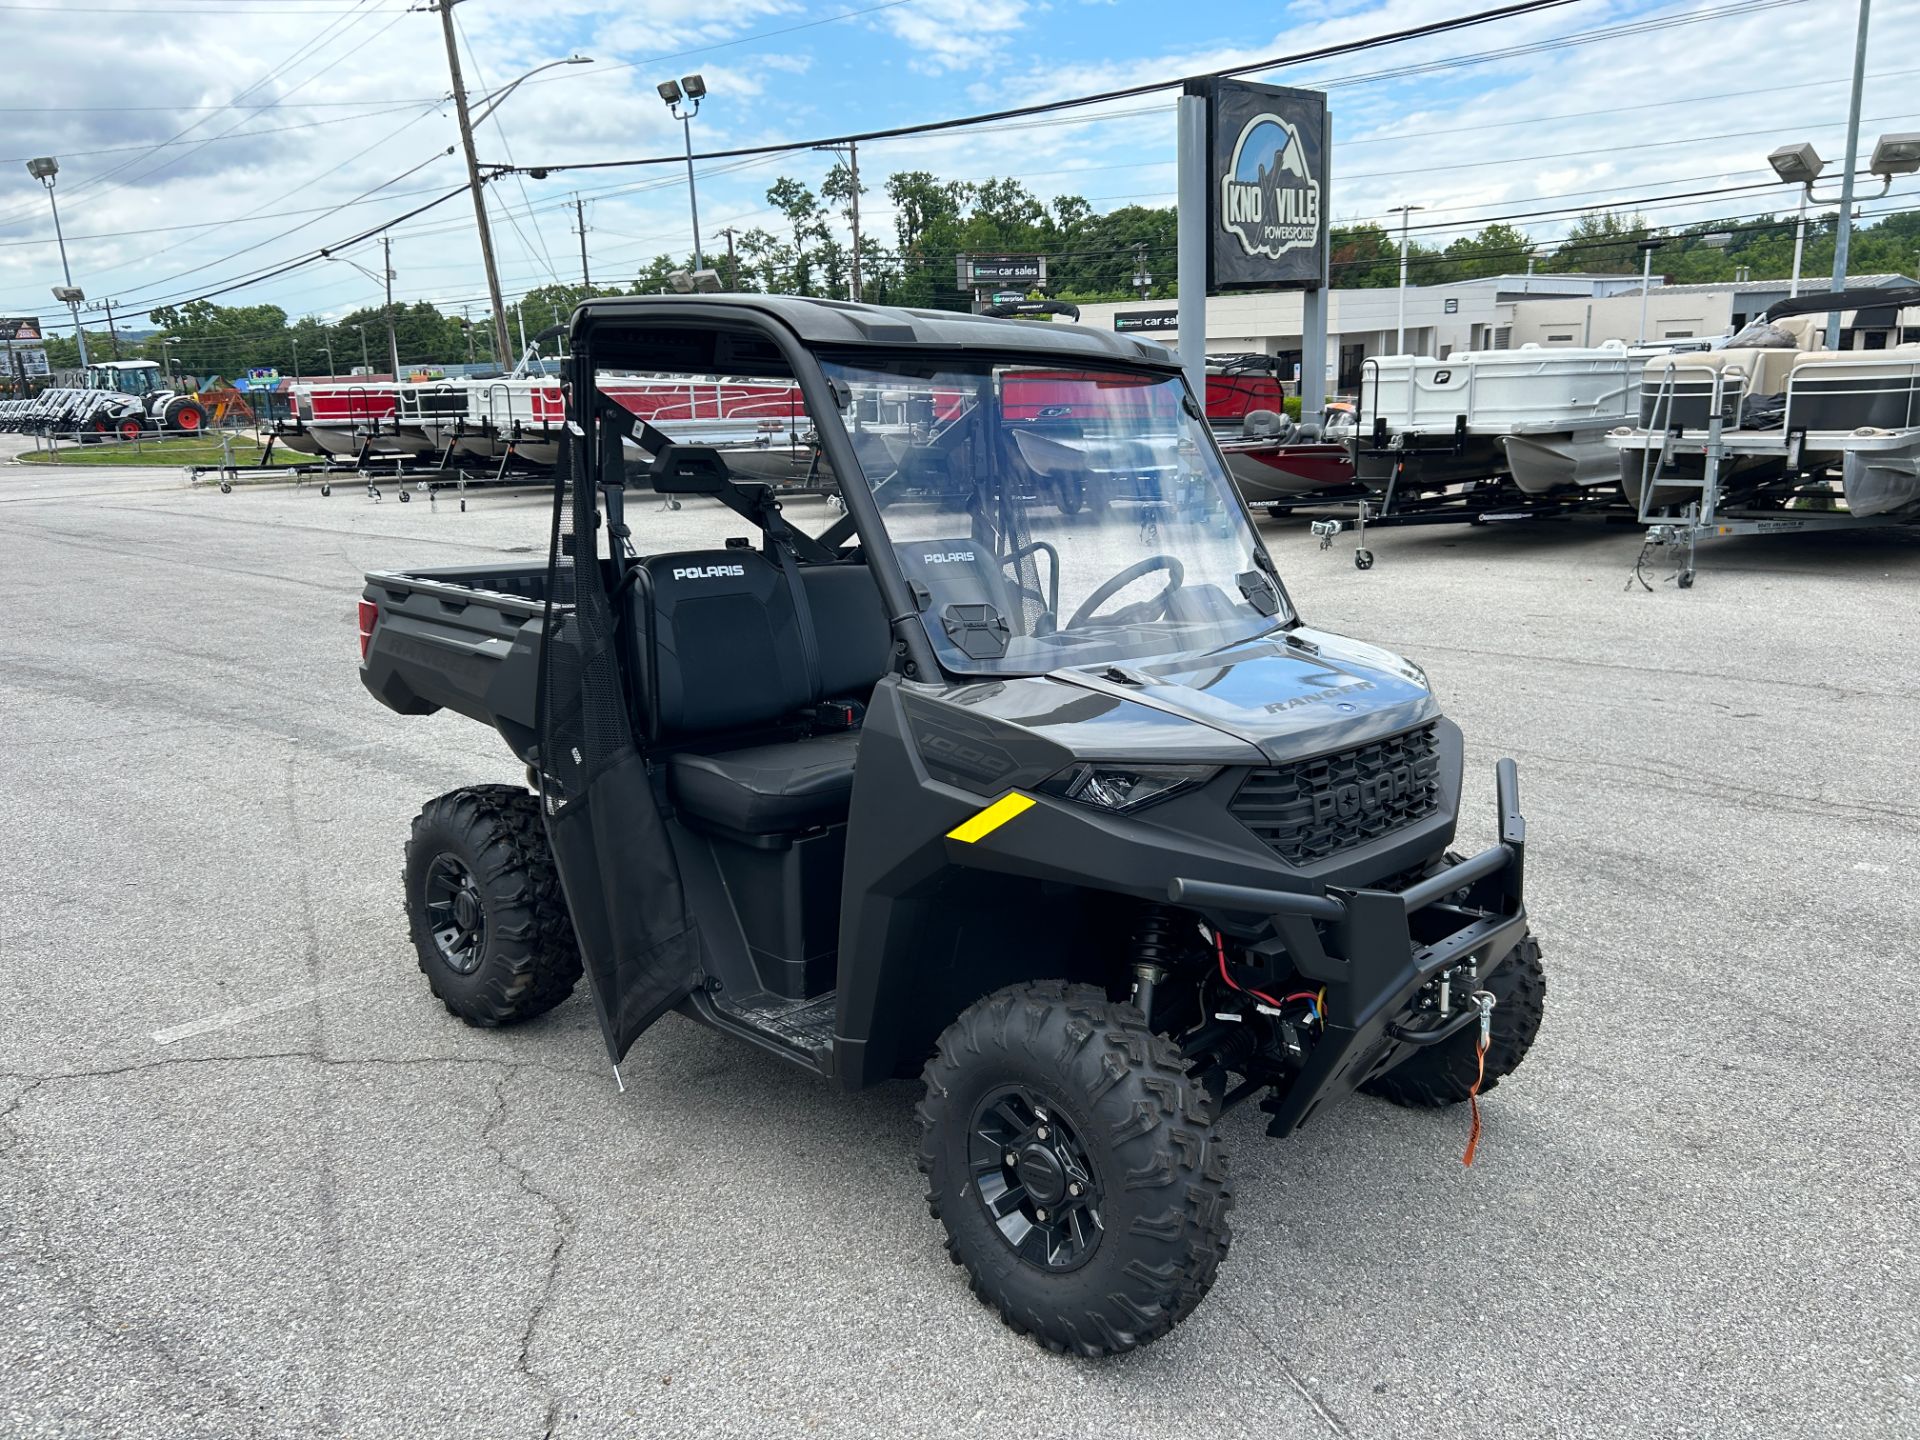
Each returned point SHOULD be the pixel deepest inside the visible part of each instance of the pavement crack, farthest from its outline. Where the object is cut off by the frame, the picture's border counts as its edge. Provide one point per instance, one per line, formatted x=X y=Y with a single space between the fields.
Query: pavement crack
x=563 y=1232
x=1333 y=1422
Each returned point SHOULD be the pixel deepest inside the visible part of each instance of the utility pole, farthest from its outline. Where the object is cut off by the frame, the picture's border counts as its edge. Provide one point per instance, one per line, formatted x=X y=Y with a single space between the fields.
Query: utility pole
x=113 y=335
x=393 y=343
x=466 y=323
x=366 y=365
x=296 y=358
x=445 y=7
x=580 y=215
x=733 y=269
x=853 y=173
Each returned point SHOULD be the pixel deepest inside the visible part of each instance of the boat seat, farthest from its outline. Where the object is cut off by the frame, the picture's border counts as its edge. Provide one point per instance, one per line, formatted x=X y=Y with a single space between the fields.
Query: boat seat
x=768 y=789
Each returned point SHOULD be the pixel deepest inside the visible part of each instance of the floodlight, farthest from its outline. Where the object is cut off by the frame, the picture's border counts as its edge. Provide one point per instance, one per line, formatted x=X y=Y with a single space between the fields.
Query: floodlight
x=44 y=168
x=1797 y=164
x=69 y=294
x=1896 y=155
x=694 y=85
x=669 y=92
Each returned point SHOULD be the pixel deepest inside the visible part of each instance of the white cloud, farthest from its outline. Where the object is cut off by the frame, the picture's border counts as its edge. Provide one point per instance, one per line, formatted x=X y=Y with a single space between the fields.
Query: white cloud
x=948 y=35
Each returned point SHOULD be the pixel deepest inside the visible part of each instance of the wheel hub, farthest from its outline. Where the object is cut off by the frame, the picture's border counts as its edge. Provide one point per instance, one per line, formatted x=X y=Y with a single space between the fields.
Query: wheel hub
x=1034 y=1179
x=456 y=913
x=1042 y=1173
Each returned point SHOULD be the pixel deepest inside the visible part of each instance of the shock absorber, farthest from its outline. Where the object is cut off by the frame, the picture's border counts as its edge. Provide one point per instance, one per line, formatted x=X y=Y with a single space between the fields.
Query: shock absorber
x=1155 y=949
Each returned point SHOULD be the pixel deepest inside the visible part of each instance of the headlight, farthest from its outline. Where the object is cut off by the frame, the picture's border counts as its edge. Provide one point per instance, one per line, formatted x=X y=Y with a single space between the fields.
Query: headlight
x=1124 y=788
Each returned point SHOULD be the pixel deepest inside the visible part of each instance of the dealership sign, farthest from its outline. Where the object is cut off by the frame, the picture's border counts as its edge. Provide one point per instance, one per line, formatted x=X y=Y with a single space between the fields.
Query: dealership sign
x=1125 y=320
x=23 y=328
x=980 y=272
x=1267 y=186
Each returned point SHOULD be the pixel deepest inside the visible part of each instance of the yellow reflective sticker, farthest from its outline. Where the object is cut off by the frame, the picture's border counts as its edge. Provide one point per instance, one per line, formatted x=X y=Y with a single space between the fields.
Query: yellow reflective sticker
x=991 y=818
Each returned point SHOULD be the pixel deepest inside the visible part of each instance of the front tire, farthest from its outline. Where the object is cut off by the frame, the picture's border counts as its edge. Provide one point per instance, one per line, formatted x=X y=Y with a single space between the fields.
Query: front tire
x=1443 y=1074
x=484 y=907
x=1075 y=1166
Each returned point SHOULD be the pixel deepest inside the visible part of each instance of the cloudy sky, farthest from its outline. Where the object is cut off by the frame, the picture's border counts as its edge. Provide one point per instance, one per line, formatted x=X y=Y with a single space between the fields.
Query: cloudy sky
x=204 y=141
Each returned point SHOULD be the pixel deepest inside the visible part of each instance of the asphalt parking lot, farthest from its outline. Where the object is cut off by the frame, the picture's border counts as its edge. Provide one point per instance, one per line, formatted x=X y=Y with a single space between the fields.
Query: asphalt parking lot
x=255 y=1181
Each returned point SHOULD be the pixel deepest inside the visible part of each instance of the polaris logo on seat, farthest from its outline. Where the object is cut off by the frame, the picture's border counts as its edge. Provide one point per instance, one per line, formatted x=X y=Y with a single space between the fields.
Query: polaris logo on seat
x=709 y=572
x=949 y=558
x=1348 y=802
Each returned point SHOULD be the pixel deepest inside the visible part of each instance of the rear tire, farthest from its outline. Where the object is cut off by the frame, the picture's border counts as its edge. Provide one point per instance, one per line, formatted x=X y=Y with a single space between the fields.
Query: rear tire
x=1079 y=1091
x=1443 y=1074
x=484 y=907
x=188 y=417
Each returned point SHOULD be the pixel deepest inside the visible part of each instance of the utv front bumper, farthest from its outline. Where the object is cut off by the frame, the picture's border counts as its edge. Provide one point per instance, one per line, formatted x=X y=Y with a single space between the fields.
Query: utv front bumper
x=1378 y=952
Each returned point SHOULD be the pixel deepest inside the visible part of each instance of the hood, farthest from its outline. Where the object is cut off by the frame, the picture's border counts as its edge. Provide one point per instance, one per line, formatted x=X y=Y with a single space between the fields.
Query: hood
x=1288 y=699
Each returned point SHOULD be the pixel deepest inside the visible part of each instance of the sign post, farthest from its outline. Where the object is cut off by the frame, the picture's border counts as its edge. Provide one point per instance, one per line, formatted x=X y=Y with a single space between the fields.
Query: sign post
x=1253 y=186
x=1190 y=236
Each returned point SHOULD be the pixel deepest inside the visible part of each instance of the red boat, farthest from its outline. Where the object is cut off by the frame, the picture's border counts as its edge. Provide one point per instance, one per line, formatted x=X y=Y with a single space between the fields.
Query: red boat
x=1275 y=462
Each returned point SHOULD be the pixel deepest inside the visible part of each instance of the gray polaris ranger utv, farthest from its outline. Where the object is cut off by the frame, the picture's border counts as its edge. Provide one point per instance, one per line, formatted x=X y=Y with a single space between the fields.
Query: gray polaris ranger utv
x=1012 y=766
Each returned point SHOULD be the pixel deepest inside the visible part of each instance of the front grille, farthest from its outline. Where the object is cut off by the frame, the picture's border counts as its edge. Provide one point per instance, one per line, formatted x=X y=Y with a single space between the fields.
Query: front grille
x=1316 y=808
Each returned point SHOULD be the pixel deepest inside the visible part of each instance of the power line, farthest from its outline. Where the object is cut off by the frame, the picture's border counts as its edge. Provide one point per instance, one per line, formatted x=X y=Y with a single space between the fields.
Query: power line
x=1047 y=107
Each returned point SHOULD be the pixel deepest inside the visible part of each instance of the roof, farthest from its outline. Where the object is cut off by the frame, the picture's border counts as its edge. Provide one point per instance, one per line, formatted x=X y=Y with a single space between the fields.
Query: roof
x=126 y=364
x=1750 y=287
x=817 y=322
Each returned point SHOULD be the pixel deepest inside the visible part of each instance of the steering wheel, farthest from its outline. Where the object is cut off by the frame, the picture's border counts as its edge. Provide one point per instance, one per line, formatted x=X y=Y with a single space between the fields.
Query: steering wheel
x=1140 y=611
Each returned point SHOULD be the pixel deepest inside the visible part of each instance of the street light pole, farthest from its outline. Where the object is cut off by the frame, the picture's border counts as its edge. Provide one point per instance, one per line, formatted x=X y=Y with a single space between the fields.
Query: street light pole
x=1843 y=236
x=1799 y=243
x=366 y=365
x=43 y=170
x=1400 y=330
x=445 y=7
x=1647 y=247
x=683 y=100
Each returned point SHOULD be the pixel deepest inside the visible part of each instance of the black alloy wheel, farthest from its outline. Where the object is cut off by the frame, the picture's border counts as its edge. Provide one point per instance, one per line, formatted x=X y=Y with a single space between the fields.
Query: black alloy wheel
x=457 y=914
x=1035 y=1180
x=484 y=907
x=1072 y=1159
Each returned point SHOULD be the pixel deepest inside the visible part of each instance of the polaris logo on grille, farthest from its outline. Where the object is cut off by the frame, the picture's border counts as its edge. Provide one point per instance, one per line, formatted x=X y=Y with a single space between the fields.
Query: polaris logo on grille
x=949 y=558
x=709 y=572
x=1347 y=802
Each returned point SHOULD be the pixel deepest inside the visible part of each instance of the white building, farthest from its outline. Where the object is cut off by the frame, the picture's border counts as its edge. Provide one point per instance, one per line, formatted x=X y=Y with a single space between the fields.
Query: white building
x=1685 y=312
x=1496 y=312
x=1463 y=315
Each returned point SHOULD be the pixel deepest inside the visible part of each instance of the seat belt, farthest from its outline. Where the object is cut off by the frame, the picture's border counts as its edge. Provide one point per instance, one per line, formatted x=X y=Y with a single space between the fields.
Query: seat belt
x=778 y=541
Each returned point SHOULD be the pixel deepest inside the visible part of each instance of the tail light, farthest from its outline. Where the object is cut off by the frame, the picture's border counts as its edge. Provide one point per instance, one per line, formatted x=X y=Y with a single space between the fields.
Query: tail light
x=369 y=616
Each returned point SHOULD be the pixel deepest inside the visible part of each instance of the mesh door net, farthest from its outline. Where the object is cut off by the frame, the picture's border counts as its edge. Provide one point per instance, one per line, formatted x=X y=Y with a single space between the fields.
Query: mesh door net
x=637 y=941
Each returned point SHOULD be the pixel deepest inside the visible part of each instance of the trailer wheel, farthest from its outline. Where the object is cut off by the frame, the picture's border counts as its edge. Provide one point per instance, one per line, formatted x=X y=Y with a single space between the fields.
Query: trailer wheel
x=1075 y=1166
x=1443 y=1074
x=325 y=489
x=484 y=907
x=405 y=497
x=1363 y=559
x=226 y=487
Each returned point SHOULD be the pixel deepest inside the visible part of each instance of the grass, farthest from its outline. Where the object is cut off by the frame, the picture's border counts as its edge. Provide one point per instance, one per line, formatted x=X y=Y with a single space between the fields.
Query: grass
x=197 y=450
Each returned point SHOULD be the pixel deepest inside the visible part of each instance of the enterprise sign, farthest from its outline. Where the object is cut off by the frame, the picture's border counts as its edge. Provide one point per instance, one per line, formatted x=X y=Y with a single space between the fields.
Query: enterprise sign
x=1148 y=320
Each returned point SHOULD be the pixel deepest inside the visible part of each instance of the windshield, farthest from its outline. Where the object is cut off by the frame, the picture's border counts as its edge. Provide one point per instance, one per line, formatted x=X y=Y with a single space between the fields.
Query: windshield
x=1050 y=516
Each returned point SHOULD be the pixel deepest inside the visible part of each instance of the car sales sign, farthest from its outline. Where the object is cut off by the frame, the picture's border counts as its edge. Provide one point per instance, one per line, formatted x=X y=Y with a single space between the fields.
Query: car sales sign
x=1267 y=186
